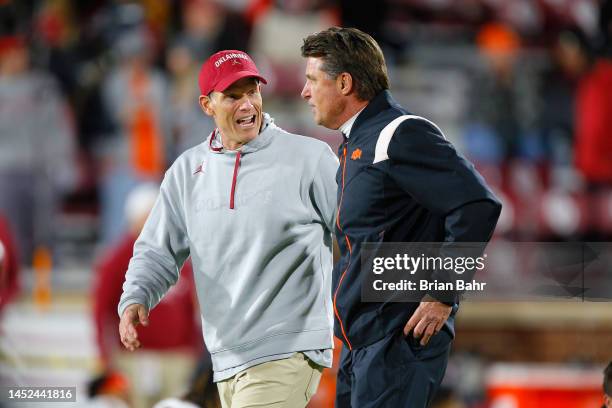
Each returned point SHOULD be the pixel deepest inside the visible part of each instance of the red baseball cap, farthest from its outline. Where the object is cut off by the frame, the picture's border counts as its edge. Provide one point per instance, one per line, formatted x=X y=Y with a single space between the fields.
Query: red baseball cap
x=224 y=68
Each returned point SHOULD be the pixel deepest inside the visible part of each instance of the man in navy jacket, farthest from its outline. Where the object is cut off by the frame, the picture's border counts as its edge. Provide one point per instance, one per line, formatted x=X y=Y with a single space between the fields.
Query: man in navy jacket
x=399 y=180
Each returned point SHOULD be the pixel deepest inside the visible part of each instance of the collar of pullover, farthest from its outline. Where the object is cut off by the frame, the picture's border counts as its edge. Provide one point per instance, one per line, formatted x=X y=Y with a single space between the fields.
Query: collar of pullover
x=261 y=141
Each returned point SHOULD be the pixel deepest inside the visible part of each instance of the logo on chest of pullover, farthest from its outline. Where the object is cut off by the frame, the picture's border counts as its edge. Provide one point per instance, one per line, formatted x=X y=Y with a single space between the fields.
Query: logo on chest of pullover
x=356 y=154
x=199 y=169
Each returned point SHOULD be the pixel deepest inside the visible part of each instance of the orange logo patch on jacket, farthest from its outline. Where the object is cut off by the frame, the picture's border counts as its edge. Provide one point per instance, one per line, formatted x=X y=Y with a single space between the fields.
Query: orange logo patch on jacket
x=356 y=154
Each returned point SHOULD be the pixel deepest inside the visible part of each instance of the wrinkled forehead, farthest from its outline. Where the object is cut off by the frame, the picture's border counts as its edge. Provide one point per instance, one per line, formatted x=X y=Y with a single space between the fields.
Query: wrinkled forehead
x=314 y=63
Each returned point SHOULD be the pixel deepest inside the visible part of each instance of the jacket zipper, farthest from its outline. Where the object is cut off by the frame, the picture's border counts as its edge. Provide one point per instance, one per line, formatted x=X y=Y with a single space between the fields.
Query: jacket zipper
x=236 y=166
x=348 y=243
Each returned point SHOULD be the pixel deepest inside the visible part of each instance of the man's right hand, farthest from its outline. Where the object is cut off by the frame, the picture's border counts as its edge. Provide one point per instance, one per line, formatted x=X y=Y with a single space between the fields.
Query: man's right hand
x=132 y=316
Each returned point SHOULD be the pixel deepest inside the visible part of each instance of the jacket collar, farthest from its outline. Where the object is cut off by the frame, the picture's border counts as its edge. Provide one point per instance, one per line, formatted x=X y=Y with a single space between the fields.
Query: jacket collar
x=346 y=127
x=262 y=140
x=382 y=101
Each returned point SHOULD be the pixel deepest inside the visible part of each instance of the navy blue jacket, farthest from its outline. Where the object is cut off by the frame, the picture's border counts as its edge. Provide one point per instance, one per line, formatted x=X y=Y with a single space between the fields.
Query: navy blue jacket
x=419 y=190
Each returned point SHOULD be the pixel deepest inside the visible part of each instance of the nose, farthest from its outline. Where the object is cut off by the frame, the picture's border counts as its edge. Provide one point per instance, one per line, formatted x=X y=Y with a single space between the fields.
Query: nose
x=305 y=94
x=246 y=104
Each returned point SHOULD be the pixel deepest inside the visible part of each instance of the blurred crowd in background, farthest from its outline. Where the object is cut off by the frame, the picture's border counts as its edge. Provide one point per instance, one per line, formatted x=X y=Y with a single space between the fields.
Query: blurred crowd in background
x=98 y=97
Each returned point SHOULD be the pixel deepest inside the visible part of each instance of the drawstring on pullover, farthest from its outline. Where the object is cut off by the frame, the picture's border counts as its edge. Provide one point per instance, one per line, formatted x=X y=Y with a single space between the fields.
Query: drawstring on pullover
x=236 y=166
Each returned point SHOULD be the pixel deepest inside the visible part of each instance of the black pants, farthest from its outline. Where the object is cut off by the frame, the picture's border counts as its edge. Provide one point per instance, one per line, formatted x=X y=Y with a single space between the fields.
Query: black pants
x=394 y=372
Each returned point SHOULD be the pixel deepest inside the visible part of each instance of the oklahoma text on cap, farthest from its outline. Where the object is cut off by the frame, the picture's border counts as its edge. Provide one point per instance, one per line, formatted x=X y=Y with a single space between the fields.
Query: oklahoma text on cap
x=224 y=68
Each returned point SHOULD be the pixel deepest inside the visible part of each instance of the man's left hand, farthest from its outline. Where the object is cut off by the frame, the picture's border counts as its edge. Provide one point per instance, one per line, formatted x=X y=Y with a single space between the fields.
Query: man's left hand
x=427 y=320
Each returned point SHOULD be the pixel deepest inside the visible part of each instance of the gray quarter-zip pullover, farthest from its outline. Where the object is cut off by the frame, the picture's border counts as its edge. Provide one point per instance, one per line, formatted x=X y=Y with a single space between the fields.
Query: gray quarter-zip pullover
x=257 y=223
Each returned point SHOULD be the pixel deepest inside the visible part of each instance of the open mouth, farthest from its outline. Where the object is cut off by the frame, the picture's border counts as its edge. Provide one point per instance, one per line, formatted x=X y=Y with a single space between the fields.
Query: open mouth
x=247 y=121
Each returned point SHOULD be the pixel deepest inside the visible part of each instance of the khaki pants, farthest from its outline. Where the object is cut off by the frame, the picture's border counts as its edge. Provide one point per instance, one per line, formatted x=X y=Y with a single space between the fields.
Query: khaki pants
x=289 y=382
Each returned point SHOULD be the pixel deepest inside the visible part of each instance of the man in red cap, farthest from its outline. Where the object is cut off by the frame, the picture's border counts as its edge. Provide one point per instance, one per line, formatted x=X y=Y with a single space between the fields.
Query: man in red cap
x=254 y=207
x=234 y=68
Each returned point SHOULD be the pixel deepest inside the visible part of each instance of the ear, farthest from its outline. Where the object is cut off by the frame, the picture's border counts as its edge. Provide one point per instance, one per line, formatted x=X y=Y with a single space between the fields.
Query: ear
x=344 y=82
x=206 y=105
